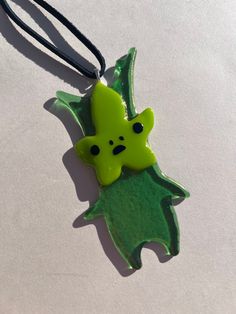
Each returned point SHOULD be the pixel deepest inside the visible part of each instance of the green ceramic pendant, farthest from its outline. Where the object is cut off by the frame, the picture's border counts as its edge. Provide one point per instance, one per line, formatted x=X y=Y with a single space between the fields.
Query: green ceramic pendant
x=136 y=198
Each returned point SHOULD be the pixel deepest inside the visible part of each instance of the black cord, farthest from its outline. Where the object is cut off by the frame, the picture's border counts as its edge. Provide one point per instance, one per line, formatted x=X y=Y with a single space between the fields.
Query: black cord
x=54 y=49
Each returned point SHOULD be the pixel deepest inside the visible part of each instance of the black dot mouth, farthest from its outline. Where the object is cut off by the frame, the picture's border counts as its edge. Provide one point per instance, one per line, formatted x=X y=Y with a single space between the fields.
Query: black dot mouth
x=118 y=149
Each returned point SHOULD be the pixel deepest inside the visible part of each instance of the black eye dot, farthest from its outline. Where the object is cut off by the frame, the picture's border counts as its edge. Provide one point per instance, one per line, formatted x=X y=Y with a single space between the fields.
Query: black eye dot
x=94 y=150
x=121 y=138
x=111 y=142
x=138 y=127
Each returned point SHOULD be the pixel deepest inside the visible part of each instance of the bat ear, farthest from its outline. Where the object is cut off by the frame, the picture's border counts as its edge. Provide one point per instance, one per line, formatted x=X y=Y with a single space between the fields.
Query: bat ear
x=107 y=108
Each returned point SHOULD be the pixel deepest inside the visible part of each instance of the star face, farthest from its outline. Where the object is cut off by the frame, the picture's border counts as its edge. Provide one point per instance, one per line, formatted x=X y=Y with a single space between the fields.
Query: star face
x=118 y=142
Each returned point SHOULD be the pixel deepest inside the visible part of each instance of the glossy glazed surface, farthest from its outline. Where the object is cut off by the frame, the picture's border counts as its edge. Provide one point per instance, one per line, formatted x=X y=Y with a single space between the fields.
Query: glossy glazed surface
x=118 y=142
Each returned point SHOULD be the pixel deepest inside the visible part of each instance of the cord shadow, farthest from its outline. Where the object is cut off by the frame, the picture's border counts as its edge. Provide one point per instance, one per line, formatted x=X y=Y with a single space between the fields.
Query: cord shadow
x=26 y=48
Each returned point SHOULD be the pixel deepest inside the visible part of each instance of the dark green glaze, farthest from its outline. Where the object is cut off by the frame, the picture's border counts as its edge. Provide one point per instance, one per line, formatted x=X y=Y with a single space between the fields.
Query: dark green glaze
x=123 y=83
x=138 y=207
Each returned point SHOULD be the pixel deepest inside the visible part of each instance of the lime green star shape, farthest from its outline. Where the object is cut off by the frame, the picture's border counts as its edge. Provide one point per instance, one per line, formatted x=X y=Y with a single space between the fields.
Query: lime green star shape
x=118 y=142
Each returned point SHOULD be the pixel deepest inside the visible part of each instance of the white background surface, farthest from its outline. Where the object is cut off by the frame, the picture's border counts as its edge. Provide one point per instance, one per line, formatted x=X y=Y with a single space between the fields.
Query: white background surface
x=185 y=70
